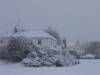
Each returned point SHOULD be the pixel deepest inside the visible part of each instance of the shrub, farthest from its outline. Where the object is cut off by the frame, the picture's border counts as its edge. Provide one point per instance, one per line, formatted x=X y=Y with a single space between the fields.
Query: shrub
x=48 y=57
x=3 y=52
x=18 y=48
x=74 y=53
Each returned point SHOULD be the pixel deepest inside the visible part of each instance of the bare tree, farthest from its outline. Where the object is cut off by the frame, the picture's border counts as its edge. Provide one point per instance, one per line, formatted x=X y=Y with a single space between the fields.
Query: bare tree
x=54 y=34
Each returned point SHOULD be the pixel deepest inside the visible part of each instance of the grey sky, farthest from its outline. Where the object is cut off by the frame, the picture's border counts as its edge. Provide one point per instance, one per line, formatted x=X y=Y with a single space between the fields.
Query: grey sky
x=72 y=18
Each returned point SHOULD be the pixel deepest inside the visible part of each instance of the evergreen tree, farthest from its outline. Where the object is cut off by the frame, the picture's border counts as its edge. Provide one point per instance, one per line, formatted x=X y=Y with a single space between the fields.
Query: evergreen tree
x=15 y=29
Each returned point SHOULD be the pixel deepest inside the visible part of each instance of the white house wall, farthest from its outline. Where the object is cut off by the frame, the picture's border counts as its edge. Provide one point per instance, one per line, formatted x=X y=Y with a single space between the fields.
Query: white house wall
x=49 y=42
x=45 y=42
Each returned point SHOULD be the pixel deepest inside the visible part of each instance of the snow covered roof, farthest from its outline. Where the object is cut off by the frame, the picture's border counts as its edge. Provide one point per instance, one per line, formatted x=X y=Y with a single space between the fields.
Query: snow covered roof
x=31 y=34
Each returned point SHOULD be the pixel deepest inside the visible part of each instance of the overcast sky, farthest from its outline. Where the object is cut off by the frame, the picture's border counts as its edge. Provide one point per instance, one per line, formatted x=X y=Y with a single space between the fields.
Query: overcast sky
x=74 y=19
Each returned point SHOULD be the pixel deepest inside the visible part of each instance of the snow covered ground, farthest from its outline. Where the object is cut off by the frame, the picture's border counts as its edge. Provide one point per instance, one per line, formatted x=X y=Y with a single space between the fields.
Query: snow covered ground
x=86 y=67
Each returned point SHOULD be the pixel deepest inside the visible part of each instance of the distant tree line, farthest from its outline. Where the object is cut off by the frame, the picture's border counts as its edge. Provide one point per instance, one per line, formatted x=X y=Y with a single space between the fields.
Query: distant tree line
x=92 y=48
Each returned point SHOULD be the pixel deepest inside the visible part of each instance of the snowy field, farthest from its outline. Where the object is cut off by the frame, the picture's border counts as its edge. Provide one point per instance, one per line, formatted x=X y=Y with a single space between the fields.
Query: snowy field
x=87 y=67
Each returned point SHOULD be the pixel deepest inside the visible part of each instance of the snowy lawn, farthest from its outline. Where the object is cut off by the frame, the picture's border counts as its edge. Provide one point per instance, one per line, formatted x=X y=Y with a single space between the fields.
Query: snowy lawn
x=86 y=67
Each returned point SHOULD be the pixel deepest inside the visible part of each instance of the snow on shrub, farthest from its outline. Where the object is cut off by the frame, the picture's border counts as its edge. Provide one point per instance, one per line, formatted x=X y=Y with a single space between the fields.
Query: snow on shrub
x=48 y=57
x=18 y=48
x=3 y=52
x=88 y=56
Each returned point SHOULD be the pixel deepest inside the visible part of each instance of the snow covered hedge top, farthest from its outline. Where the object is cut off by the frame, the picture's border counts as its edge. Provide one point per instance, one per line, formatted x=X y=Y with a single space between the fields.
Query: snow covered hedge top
x=88 y=56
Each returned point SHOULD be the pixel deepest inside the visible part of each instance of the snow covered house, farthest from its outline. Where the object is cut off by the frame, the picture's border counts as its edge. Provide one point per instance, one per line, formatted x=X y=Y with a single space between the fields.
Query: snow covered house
x=39 y=38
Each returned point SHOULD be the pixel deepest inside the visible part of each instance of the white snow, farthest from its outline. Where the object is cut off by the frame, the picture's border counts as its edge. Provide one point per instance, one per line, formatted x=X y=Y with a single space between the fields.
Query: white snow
x=86 y=67
x=88 y=56
x=31 y=34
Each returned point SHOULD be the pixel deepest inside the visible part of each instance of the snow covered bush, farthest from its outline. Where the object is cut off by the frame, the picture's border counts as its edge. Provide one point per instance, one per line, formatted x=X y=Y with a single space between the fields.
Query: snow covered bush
x=3 y=48
x=48 y=57
x=18 y=48
x=75 y=53
x=88 y=56
x=3 y=52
